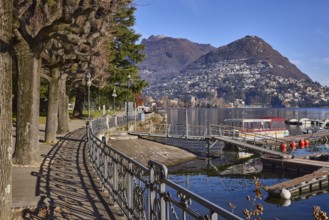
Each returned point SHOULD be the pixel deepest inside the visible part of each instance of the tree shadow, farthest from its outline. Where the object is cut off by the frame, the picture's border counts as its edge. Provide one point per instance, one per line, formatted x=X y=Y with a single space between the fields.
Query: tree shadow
x=66 y=186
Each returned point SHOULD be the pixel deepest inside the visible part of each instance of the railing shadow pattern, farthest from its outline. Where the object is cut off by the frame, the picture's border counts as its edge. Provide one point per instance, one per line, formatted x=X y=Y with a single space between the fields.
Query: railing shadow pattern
x=146 y=192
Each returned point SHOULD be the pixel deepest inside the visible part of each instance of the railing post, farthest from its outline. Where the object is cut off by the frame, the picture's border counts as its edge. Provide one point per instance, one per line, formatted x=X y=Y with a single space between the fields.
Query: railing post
x=107 y=122
x=115 y=121
x=130 y=190
x=87 y=131
x=158 y=172
x=115 y=173
x=106 y=175
x=103 y=142
x=151 y=195
x=103 y=145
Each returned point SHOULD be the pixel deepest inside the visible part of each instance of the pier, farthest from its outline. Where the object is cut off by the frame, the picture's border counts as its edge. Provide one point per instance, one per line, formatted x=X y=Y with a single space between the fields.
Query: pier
x=307 y=184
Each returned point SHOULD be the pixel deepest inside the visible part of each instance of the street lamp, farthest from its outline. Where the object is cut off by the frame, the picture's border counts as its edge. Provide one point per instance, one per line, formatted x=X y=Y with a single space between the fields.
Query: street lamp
x=88 y=84
x=114 y=94
x=128 y=86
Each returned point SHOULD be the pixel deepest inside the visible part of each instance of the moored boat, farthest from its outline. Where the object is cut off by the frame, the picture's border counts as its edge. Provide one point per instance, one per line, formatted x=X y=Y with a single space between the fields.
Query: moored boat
x=305 y=121
x=259 y=128
x=292 y=121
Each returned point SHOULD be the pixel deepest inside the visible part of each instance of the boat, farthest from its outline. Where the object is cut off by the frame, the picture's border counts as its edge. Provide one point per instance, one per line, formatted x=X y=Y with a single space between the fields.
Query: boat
x=258 y=128
x=144 y=109
x=292 y=121
x=305 y=122
x=323 y=127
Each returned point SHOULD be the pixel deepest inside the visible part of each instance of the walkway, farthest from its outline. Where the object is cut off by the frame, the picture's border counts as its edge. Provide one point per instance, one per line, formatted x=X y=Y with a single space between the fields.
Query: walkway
x=65 y=184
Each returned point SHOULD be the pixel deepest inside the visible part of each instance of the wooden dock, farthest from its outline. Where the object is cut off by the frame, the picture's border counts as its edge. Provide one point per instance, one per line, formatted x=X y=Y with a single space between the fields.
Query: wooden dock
x=318 y=180
x=317 y=177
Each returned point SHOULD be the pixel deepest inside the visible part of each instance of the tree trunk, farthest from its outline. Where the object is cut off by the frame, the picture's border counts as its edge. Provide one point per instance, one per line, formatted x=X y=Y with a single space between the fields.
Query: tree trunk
x=5 y=109
x=63 y=108
x=52 y=113
x=28 y=102
x=79 y=100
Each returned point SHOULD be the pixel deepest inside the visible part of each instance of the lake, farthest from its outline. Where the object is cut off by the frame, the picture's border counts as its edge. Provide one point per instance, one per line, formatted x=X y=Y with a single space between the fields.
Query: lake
x=229 y=176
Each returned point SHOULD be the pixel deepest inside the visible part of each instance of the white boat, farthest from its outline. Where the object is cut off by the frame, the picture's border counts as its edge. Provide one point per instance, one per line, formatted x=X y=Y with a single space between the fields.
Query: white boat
x=292 y=121
x=305 y=122
x=258 y=128
x=323 y=127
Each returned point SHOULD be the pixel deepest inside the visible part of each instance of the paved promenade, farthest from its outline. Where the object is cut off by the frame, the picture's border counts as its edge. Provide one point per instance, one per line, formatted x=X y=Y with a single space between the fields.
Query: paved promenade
x=64 y=185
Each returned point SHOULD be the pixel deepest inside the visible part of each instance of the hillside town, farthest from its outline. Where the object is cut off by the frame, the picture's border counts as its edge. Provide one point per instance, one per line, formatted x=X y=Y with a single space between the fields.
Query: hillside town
x=238 y=84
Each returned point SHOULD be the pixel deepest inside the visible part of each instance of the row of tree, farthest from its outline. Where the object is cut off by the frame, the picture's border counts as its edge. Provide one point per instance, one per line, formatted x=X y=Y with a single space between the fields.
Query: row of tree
x=61 y=42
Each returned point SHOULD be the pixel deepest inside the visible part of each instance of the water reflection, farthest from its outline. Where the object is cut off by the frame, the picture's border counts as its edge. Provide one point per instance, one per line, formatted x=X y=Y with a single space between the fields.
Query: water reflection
x=226 y=177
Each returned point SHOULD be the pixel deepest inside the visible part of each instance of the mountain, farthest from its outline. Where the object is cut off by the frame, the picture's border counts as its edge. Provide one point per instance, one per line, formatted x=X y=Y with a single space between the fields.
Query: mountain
x=247 y=70
x=166 y=56
x=248 y=53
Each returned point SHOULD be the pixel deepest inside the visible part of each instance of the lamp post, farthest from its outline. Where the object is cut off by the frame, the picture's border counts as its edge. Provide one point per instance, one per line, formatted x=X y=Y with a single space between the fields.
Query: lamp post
x=114 y=94
x=88 y=84
x=128 y=87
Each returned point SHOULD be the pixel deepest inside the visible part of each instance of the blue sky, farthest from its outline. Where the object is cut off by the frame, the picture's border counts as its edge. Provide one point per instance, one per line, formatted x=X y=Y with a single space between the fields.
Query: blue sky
x=298 y=29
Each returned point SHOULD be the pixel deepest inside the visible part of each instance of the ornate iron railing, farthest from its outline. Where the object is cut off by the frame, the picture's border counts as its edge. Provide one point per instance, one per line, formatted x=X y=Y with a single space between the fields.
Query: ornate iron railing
x=107 y=122
x=146 y=192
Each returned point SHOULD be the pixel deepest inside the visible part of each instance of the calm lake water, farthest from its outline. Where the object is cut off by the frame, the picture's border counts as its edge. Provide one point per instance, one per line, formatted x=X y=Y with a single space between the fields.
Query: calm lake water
x=230 y=178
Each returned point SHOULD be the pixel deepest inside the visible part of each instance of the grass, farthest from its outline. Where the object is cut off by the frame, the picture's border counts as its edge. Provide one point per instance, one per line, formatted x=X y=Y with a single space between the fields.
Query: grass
x=93 y=114
x=96 y=113
x=42 y=119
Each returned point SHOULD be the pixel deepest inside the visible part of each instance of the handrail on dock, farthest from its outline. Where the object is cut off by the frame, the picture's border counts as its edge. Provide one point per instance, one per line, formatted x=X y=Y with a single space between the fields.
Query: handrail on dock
x=258 y=142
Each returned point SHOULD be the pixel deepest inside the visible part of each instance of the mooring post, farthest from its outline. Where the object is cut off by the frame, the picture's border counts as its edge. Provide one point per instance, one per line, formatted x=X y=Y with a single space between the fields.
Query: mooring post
x=208 y=148
x=186 y=123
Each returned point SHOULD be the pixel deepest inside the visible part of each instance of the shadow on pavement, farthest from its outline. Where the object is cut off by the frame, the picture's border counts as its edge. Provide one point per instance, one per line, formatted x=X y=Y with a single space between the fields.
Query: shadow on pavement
x=66 y=186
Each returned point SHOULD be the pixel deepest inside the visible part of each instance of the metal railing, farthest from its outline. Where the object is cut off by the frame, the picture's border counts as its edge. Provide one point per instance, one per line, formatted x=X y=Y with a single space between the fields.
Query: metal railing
x=177 y=130
x=243 y=135
x=146 y=192
x=201 y=132
x=107 y=122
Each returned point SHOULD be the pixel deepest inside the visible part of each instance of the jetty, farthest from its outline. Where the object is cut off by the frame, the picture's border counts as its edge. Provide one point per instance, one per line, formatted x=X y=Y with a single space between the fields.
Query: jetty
x=307 y=184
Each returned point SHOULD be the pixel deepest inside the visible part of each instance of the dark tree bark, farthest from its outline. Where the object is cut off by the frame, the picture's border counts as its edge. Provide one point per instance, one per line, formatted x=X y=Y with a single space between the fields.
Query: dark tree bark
x=28 y=99
x=5 y=109
x=52 y=113
x=79 y=100
x=63 y=107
